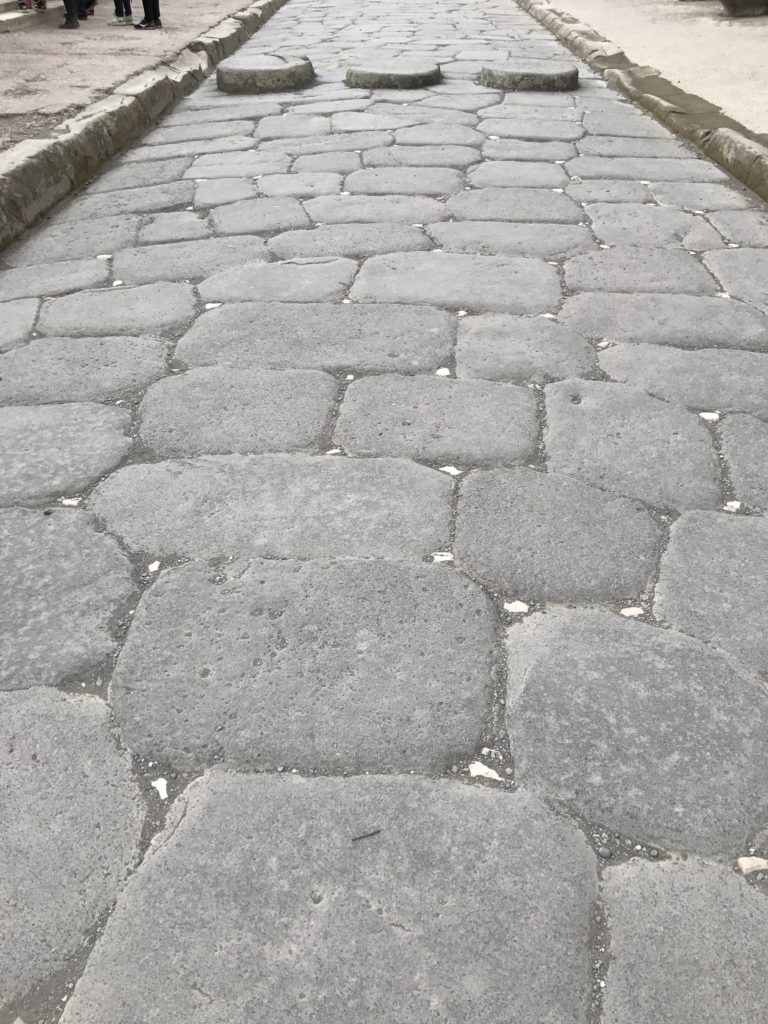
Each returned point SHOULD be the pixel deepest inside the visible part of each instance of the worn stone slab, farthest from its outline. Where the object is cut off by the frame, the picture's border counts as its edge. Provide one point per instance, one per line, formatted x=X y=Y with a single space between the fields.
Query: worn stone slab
x=219 y=410
x=743 y=273
x=546 y=537
x=713 y=583
x=595 y=190
x=428 y=181
x=317 y=279
x=52 y=278
x=336 y=163
x=397 y=73
x=421 y=156
x=292 y=126
x=358 y=241
x=516 y=173
x=259 y=215
x=340 y=142
x=469 y=101
x=264 y=72
x=687 y=321
x=148 y=308
x=439 y=135
x=68 y=241
x=219 y=191
x=638 y=269
x=525 y=149
x=531 y=128
x=54 y=449
x=514 y=204
x=701 y=197
x=173 y=195
x=644 y=731
x=248 y=165
x=618 y=438
x=198 y=147
x=281 y=506
x=477 y=283
x=627 y=122
x=17 y=319
x=641 y=224
x=520 y=349
x=397 y=116
x=623 y=145
x=742 y=227
x=374 y=209
x=530 y=75
x=123 y=175
x=676 y=921
x=200 y=130
x=72 y=819
x=222 y=110
x=320 y=183
x=437 y=420
x=745 y=442
x=645 y=168
x=183 y=226
x=507 y=238
x=338 y=338
x=394 y=909
x=178 y=261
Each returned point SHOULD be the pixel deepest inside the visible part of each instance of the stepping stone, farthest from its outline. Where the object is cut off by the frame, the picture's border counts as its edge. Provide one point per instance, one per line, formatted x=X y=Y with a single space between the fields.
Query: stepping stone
x=533 y=75
x=403 y=73
x=264 y=72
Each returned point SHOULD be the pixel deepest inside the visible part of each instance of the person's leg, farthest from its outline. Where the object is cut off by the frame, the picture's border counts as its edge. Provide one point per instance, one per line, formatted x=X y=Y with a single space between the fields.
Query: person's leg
x=70 y=17
x=128 y=12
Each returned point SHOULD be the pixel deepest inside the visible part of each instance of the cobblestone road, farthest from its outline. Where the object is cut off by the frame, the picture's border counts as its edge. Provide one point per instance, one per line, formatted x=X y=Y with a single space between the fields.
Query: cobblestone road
x=384 y=559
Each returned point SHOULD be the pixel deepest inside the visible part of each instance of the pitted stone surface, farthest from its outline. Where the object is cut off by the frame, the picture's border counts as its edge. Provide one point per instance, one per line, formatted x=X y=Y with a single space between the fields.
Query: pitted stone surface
x=421 y=156
x=336 y=163
x=59 y=242
x=403 y=73
x=264 y=72
x=648 y=732
x=505 y=238
x=248 y=164
x=306 y=185
x=300 y=280
x=183 y=226
x=125 y=175
x=626 y=121
x=516 y=173
x=52 y=278
x=218 y=410
x=743 y=273
x=394 y=910
x=274 y=214
x=62 y=584
x=657 y=226
x=232 y=144
x=687 y=944
x=374 y=209
x=595 y=190
x=357 y=241
x=72 y=818
x=179 y=261
x=54 y=449
x=531 y=75
x=618 y=438
x=437 y=420
x=292 y=126
x=745 y=442
x=340 y=142
x=522 y=149
x=310 y=664
x=645 y=168
x=16 y=321
x=251 y=335
x=143 y=310
x=516 y=204
x=170 y=196
x=621 y=145
x=426 y=181
x=694 y=196
x=198 y=130
x=743 y=227
x=439 y=135
x=546 y=537
x=533 y=129
x=279 y=506
x=638 y=269
x=499 y=347
x=478 y=283
x=713 y=583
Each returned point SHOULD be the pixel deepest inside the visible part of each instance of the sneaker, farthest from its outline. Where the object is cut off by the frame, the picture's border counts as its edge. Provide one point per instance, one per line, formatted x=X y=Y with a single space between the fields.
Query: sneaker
x=128 y=19
x=117 y=21
x=40 y=5
x=141 y=24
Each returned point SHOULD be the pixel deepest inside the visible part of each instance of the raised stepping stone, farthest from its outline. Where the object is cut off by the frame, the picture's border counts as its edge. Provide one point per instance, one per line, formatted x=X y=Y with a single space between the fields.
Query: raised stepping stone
x=264 y=72
x=530 y=75
x=398 y=73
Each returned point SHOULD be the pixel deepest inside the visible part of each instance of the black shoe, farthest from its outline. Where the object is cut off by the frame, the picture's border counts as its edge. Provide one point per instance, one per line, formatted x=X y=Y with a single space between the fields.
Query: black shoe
x=70 y=23
x=157 y=24
x=141 y=24
x=82 y=17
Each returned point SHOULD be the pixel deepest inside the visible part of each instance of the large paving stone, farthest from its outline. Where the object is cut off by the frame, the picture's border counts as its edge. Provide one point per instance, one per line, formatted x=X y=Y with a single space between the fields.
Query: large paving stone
x=687 y=945
x=742 y=227
x=126 y=175
x=218 y=410
x=169 y=196
x=724 y=380
x=374 y=209
x=292 y=126
x=438 y=420
x=505 y=238
x=624 y=121
x=622 y=145
x=267 y=215
x=339 y=142
x=526 y=149
x=182 y=226
x=306 y=185
x=713 y=583
x=143 y=310
x=312 y=664
x=398 y=73
x=651 y=226
x=68 y=241
x=546 y=537
x=638 y=269
x=686 y=321
x=198 y=130
x=233 y=109
x=531 y=128
x=641 y=730
x=392 y=928
x=177 y=261
x=439 y=135
x=231 y=165
x=374 y=121
x=618 y=438
x=54 y=449
x=494 y=283
x=264 y=72
x=230 y=144
x=499 y=347
x=282 y=506
x=255 y=335
x=357 y=241
x=745 y=442
x=219 y=191
x=514 y=173
x=52 y=278
x=700 y=196
x=71 y=823
x=62 y=583
x=16 y=321
x=316 y=279
x=743 y=273
x=336 y=163
x=645 y=168
x=515 y=204
x=398 y=116
x=427 y=181
x=421 y=156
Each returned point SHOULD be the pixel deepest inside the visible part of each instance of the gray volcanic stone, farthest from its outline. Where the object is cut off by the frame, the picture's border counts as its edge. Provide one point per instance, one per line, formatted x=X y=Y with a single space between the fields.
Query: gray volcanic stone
x=316 y=279
x=438 y=420
x=16 y=321
x=618 y=438
x=183 y=260
x=253 y=335
x=427 y=181
x=642 y=730
x=743 y=273
x=394 y=73
x=370 y=120
x=198 y=130
x=517 y=204
x=514 y=173
x=624 y=121
x=498 y=347
x=394 y=909
x=522 y=149
x=72 y=819
x=182 y=226
x=439 y=135
x=531 y=74
x=646 y=225
x=700 y=196
x=62 y=584
x=146 y=309
x=675 y=920
x=280 y=506
x=169 y=196
x=292 y=126
x=545 y=537
x=218 y=410
x=374 y=209
x=275 y=214
x=495 y=283
x=743 y=227
x=219 y=191
x=319 y=183
x=532 y=128
x=594 y=190
x=638 y=269
x=231 y=144
x=357 y=241
x=313 y=664
x=52 y=278
x=222 y=109
x=264 y=72
x=126 y=175
x=337 y=163
x=230 y=165
x=505 y=238
x=339 y=142
x=713 y=583
x=68 y=241
x=622 y=145
x=745 y=442
x=645 y=168
x=54 y=449
x=421 y=156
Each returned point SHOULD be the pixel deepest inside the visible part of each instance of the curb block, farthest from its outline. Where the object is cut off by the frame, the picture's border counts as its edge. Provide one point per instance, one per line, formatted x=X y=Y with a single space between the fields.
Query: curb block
x=37 y=173
x=735 y=148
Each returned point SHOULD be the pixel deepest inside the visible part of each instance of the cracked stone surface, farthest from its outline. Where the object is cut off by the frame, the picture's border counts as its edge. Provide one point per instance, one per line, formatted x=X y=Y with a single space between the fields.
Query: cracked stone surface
x=316 y=279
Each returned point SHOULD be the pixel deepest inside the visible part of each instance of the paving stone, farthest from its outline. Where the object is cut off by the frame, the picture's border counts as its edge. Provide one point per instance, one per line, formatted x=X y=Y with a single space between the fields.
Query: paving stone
x=651 y=168
x=522 y=149
x=248 y=165
x=743 y=273
x=421 y=156
x=374 y=209
x=687 y=321
x=178 y=261
x=622 y=145
x=55 y=449
x=225 y=110
x=743 y=227
x=317 y=279
x=439 y=135
x=638 y=269
x=307 y=106
x=400 y=117
x=72 y=817
x=68 y=241
x=429 y=181
x=438 y=420
x=644 y=731
x=532 y=110
x=642 y=224
x=368 y=121
x=278 y=506
x=623 y=122
x=52 y=278
x=263 y=72
x=337 y=163
x=231 y=144
x=530 y=128
x=596 y=191
x=174 y=227
x=498 y=347
x=342 y=142
x=507 y=173
x=357 y=241
x=724 y=380
x=700 y=197
x=745 y=440
x=515 y=204
x=199 y=130
x=16 y=321
x=266 y=215
x=79 y=369
x=217 y=409
x=320 y=183
x=173 y=195
x=148 y=308
x=504 y=238
x=324 y=336
x=469 y=102
x=545 y=537
x=618 y=438
x=525 y=75
x=477 y=283
x=395 y=909
x=692 y=923
x=123 y=175
x=292 y=126
x=713 y=583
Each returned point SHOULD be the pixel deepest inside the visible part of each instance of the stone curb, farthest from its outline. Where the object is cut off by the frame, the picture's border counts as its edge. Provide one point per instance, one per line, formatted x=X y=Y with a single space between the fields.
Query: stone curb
x=738 y=150
x=37 y=173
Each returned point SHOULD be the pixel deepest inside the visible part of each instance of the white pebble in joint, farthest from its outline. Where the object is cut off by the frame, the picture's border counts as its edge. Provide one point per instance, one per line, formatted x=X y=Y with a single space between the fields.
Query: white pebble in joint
x=632 y=612
x=441 y=556
x=116 y=284
x=451 y=470
x=461 y=312
x=548 y=316
x=734 y=245
x=604 y=344
x=749 y=864
x=710 y=417
x=732 y=506
x=212 y=305
x=603 y=245
x=494 y=138
x=479 y=770
x=443 y=372
x=153 y=567
x=346 y=302
x=645 y=183
x=516 y=607
x=333 y=451
x=104 y=256
x=417 y=225
x=350 y=376
x=71 y=502
x=162 y=788
x=558 y=190
x=723 y=295
x=189 y=207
